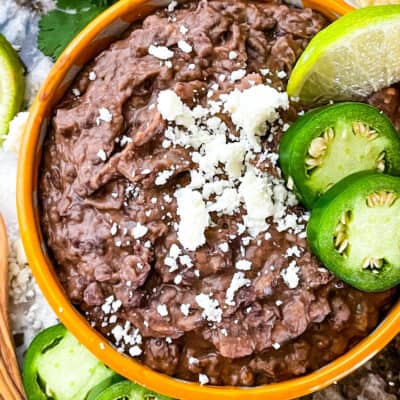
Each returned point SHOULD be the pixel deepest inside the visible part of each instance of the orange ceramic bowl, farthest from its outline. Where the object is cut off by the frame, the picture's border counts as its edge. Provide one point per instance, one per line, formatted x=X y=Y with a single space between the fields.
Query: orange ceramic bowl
x=97 y=36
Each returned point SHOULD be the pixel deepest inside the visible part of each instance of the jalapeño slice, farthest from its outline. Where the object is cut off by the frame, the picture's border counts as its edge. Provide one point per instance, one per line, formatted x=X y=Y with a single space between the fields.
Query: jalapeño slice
x=127 y=390
x=354 y=229
x=102 y=386
x=332 y=142
x=58 y=367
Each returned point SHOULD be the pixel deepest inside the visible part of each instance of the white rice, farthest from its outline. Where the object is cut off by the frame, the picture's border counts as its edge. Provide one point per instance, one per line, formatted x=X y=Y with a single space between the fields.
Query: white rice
x=29 y=311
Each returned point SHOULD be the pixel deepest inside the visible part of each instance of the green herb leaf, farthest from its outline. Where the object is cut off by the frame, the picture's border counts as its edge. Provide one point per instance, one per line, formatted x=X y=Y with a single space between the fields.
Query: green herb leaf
x=60 y=26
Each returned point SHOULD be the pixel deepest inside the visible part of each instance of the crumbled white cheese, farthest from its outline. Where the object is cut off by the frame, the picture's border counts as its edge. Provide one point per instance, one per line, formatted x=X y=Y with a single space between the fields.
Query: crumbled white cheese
x=76 y=92
x=118 y=333
x=193 y=360
x=139 y=231
x=104 y=115
x=224 y=331
x=166 y=144
x=167 y=198
x=185 y=309
x=114 y=229
x=186 y=261
x=243 y=265
x=276 y=345
x=241 y=229
x=238 y=281
x=183 y=30
x=92 y=76
x=244 y=186
x=171 y=263
x=174 y=251
x=135 y=351
x=102 y=155
x=211 y=309
x=162 y=177
x=258 y=200
x=106 y=307
x=124 y=335
x=161 y=52
x=252 y=108
x=162 y=310
x=293 y=251
x=233 y=55
x=194 y=218
x=224 y=247
x=290 y=275
x=281 y=74
x=172 y=108
x=233 y=158
x=203 y=379
x=288 y=221
x=246 y=241
x=238 y=74
x=227 y=203
x=172 y=5
x=185 y=46
x=125 y=140
x=178 y=279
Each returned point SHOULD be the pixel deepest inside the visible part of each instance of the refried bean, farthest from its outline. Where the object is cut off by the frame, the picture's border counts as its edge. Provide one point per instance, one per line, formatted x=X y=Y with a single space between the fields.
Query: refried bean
x=111 y=228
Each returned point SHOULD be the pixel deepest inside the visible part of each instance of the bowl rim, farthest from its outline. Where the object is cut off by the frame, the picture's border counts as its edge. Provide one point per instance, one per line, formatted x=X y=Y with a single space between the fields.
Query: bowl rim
x=79 y=326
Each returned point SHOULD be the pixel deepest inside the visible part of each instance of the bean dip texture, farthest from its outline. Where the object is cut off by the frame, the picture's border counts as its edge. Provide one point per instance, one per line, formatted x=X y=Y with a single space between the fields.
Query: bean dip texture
x=164 y=208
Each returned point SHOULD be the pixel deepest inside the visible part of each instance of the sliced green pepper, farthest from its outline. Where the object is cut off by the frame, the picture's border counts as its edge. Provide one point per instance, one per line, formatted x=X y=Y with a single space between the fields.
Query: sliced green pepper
x=355 y=230
x=108 y=382
x=332 y=142
x=58 y=367
x=129 y=391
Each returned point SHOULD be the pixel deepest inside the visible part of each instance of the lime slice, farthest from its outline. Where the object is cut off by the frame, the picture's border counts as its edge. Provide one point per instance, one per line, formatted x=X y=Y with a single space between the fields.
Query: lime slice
x=353 y=57
x=11 y=85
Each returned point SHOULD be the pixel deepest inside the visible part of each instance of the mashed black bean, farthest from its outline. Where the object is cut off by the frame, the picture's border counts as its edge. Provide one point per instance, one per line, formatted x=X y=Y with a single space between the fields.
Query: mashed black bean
x=111 y=228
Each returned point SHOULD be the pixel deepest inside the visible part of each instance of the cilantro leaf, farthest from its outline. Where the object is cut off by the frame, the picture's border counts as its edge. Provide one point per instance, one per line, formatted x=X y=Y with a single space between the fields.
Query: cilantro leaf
x=60 y=26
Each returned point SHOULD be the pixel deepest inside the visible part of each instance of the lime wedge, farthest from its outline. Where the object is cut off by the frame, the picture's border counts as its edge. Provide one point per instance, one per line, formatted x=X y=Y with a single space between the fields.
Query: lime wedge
x=354 y=56
x=11 y=85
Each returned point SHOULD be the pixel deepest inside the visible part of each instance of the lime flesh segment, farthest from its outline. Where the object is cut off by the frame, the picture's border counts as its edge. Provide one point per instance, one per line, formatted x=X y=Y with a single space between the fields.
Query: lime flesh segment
x=353 y=57
x=11 y=85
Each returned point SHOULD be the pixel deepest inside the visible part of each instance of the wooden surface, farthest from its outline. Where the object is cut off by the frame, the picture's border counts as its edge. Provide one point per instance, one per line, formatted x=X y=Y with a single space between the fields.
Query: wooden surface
x=10 y=380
